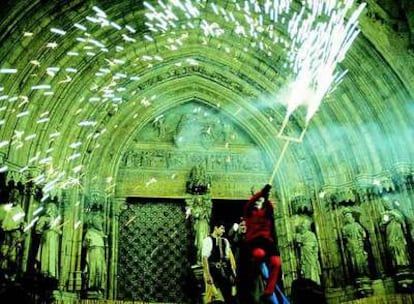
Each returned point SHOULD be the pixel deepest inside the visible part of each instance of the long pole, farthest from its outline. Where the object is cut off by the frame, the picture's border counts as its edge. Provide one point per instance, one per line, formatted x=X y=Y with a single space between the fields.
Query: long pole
x=277 y=165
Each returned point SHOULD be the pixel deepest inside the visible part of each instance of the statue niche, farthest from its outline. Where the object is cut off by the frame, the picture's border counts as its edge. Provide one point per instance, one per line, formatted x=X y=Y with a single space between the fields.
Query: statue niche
x=198 y=182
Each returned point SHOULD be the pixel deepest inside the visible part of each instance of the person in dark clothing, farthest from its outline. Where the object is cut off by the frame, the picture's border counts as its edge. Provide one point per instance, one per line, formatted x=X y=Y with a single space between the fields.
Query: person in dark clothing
x=236 y=236
x=218 y=266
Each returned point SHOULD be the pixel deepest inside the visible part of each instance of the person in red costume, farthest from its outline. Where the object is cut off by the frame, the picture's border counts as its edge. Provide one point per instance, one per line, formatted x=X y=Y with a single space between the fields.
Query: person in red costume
x=260 y=237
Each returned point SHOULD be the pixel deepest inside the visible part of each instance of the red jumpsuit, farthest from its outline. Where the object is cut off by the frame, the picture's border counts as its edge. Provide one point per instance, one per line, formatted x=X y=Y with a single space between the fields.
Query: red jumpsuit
x=260 y=235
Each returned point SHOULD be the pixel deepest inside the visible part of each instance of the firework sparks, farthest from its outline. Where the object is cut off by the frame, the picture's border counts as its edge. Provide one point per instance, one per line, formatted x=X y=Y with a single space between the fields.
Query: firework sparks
x=318 y=38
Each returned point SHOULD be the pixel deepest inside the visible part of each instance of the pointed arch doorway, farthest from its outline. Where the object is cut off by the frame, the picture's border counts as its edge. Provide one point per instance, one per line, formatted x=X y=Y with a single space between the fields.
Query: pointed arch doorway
x=227 y=211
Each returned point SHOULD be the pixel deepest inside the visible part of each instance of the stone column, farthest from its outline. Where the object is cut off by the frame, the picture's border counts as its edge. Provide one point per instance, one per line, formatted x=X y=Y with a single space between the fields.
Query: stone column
x=117 y=206
x=71 y=272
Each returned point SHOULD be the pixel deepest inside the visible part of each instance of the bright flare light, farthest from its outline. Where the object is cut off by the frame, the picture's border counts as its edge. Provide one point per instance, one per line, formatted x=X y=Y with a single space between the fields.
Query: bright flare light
x=316 y=49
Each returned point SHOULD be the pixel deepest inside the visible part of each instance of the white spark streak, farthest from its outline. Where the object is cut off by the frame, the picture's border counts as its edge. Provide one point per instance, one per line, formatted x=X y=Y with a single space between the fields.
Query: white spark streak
x=77 y=169
x=38 y=210
x=131 y=29
x=74 y=156
x=152 y=180
x=4 y=143
x=18 y=216
x=41 y=87
x=58 y=31
x=55 y=134
x=8 y=71
x=25 y=168
x=50 y=185
x=128 y=39
x=21 y=114
x=99 y=12
x=51 y=45
x=45 y=160
x=116 y=25
x=96 y=43
x=34 y=158
x=71 y=70
x=30 y=137
x=75 y=145
x=87 y=123
x=93 y=19
x=31 y=224
x=80 y=26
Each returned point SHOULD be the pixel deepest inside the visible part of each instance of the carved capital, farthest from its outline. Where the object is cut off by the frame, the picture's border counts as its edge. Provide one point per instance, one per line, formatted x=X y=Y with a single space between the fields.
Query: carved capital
x=118 y=204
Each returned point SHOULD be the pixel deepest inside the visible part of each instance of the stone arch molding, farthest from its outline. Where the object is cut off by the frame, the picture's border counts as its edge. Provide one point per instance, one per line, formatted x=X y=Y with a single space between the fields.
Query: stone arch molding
x=194 y=84
x=154 y=156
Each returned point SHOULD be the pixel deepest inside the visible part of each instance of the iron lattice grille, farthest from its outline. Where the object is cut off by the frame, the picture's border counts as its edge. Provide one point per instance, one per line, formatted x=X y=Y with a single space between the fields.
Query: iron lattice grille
x=154 y=249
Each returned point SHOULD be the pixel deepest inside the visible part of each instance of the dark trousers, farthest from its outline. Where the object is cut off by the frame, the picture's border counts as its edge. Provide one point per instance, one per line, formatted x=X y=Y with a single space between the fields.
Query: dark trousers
x=223 y=282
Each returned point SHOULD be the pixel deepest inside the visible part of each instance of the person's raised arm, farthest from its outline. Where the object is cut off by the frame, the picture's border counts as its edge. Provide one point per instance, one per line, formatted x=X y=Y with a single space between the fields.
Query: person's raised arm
x=264 y=192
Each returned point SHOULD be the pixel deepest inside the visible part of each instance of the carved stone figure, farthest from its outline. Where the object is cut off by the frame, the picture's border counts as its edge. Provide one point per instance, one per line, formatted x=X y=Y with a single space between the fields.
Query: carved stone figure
x=308 y=252
x=207 y=135
x=199 y=209
x=49 y=228
x=159 y=125
x=95 y=244
x=396 y=242
x=12 y=227
x=354 y=237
